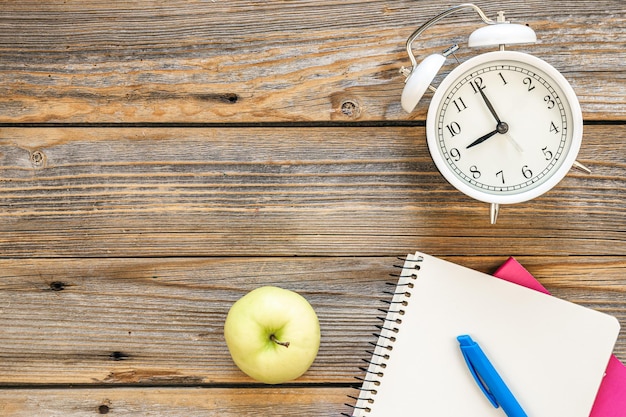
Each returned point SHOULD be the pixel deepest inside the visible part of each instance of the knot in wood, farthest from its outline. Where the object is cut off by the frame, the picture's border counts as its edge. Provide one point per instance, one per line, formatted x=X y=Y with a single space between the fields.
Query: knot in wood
x=118 y=356
x=57 y=286
x=38 y=159
x=350 y=109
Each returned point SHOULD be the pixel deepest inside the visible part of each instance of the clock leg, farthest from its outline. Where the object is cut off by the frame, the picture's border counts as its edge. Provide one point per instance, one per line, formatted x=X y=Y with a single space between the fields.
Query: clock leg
x=581 y=167
x=495 y=208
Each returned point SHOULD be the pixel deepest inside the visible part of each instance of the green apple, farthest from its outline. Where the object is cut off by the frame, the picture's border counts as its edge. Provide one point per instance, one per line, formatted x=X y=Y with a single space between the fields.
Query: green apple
x=273 y=334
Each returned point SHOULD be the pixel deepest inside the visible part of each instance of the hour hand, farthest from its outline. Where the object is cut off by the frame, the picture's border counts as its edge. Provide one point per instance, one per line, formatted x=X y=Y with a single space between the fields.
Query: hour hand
x=482 y=139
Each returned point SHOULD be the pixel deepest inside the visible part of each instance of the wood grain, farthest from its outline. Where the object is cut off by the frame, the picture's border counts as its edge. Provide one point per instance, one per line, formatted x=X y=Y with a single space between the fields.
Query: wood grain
x=256 y=61
x=176 y=402
x=164 y=318
x=160 y=321
x=160 y=159
x=289 y=191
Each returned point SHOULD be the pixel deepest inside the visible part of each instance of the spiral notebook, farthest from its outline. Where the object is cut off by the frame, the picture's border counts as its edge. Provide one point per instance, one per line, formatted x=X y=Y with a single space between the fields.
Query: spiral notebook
x=551 y=353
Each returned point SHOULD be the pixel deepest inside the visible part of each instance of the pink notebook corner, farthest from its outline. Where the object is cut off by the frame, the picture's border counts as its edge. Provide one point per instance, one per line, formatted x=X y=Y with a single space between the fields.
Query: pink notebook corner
x=611 y=398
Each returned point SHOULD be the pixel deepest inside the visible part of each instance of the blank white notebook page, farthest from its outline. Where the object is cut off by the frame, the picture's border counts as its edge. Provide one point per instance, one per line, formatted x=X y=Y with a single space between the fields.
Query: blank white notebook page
x=551 y=353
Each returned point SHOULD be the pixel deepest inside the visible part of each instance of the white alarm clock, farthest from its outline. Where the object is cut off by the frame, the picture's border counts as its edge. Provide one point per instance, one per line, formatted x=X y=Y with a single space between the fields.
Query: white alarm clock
x=502 y=127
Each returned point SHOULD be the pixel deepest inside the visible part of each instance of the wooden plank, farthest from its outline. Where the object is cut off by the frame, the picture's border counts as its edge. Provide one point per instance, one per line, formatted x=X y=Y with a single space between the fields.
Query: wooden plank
x=101 y=192
x=122 y=246
x=125 y=321
x=160 y=321
x=260 y=61
x=175 y=402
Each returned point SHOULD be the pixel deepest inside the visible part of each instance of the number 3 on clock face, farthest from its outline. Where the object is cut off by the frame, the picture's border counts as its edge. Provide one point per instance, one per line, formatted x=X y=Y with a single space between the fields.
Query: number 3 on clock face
x=504 y=127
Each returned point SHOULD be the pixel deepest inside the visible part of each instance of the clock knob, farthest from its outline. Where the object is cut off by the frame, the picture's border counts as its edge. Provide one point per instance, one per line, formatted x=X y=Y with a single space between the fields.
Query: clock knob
x=501 y=34
x=419 y=79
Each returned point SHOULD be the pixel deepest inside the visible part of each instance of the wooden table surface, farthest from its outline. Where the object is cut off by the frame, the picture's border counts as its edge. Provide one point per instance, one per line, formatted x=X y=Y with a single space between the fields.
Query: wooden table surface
x=159 y=159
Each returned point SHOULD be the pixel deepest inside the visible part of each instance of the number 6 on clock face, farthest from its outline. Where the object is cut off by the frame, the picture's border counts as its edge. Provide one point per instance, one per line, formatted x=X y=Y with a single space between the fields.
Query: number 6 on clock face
x=504 y=127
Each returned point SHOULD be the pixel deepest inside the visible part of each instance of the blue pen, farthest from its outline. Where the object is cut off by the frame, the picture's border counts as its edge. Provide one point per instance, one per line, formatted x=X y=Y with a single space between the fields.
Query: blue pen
x=488 y=379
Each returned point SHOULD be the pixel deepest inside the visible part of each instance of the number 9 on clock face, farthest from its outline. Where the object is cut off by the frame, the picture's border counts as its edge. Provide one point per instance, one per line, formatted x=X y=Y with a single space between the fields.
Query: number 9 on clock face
x=504 y=127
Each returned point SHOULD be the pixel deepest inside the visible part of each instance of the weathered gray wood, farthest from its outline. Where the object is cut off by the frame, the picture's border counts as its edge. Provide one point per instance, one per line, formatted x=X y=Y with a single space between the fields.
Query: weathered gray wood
x=160 y=321
x=123 y=242
x=256 y=61
x=290 y=191
x=176 y=402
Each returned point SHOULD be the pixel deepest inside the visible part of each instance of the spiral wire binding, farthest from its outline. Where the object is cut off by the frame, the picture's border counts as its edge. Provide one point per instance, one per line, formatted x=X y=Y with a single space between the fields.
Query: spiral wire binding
x=386 y=336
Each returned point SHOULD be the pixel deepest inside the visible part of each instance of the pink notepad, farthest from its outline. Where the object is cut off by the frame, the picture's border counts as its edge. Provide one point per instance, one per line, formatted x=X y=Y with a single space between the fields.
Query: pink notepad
x=611 y=398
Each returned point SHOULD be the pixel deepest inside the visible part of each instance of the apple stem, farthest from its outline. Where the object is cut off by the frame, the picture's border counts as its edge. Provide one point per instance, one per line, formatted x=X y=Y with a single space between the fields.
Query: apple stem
x=278 y=342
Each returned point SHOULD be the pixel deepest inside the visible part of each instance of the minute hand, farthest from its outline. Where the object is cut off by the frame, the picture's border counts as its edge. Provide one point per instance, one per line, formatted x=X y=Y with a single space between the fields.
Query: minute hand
x=501 y=126
x=489 y=106
x=482 y=139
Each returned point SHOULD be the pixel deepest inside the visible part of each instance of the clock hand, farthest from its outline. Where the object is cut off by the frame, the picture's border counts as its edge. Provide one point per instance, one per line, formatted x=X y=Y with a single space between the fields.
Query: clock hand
x=482 y=139
x=489 y=106
x=501 y=127
x=515 y=143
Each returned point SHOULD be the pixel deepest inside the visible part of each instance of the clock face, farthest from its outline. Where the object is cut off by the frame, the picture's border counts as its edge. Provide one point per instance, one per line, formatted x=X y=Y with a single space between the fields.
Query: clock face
x=504 y=127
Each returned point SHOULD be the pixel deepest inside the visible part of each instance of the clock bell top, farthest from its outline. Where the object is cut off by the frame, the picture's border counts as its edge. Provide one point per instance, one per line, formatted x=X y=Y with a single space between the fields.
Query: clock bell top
x=501 y=33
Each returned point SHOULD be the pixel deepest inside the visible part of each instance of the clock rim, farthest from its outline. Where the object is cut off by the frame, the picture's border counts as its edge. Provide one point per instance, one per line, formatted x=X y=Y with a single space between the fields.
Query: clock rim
x=555 y=176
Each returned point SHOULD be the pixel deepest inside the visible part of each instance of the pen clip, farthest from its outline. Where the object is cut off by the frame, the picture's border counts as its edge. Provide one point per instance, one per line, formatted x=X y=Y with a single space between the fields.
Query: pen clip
x=479 y=380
